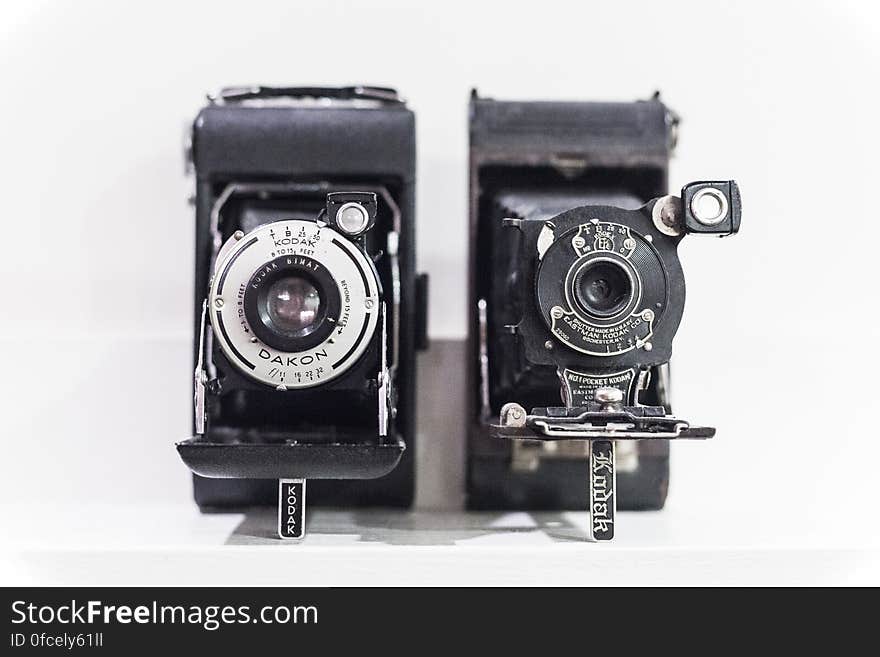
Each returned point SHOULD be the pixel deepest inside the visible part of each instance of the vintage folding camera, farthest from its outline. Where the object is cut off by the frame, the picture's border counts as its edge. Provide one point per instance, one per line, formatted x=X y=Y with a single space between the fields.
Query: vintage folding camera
x=576 y=294
x=307 y=307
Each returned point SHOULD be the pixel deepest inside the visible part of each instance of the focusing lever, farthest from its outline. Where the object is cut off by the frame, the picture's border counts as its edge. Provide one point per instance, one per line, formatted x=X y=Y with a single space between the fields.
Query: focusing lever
x=601 y=423
x=606 y=420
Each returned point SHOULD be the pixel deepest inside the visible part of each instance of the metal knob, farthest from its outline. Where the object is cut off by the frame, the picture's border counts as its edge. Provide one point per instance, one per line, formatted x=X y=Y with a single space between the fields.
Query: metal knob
x=611 y=399
x=608 y=395
x=513 y=415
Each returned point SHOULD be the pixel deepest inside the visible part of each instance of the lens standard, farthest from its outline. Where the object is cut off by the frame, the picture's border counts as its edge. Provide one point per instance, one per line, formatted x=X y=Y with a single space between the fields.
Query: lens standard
x=603 y=288
x=292 y=305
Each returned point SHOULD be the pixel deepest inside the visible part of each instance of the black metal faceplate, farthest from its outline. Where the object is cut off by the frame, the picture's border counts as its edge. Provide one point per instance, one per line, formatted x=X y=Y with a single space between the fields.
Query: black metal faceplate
x=666 y=302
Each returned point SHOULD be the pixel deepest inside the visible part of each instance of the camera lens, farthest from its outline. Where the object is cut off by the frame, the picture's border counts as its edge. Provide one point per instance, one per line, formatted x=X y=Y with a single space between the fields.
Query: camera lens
x=292 y=305
x=603 y=288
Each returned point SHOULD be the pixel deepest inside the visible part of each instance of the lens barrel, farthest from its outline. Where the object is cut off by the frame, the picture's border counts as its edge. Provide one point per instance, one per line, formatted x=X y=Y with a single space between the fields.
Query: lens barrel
x=292 y=303
x=603 y=288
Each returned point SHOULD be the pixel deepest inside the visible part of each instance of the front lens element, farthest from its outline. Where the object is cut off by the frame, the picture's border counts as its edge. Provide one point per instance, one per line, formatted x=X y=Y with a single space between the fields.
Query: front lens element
x=603 y=288
x=292 y=305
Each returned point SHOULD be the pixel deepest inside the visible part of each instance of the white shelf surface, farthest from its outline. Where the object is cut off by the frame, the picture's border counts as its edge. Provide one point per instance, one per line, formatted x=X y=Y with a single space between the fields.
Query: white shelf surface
x=176 y=545
x=93 y=491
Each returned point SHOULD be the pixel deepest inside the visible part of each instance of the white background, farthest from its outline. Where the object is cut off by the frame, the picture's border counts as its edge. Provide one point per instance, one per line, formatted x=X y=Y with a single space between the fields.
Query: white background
x=778 y=347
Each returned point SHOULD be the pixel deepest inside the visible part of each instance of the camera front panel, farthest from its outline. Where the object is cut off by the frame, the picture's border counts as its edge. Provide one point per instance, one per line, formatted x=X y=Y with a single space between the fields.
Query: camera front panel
x=294 y=304
x=601 y=289
x=606 y=290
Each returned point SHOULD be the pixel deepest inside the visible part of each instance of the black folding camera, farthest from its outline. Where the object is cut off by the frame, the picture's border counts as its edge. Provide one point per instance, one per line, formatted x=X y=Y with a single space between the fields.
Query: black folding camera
x=577 y=292
x=307 y=312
